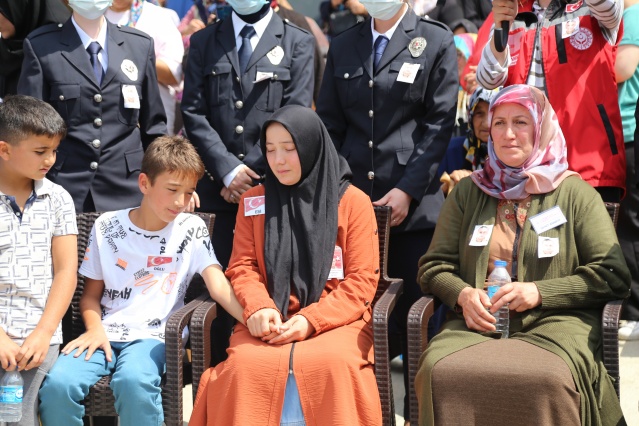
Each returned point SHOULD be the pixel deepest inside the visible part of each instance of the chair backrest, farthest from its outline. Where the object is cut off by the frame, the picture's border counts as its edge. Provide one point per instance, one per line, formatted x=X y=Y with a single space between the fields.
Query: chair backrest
x=613 y=211
x=85 y=224
x=610 y=322
x=383 y=215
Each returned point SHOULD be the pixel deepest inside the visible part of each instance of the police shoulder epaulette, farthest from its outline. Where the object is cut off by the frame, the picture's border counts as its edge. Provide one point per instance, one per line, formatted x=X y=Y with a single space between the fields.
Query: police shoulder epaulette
x=433 y=22
x=45 y=29
x=293 y=25
x=130 y=30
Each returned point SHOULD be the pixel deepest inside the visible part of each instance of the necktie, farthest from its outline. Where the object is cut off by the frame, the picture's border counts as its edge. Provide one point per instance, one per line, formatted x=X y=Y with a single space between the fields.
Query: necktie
x=93 y=49
x=380 y=46
x=246 y=50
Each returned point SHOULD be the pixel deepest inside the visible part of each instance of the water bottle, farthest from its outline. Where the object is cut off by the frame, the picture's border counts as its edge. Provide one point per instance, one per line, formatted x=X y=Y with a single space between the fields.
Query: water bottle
x=11 y=389
x=496 y=279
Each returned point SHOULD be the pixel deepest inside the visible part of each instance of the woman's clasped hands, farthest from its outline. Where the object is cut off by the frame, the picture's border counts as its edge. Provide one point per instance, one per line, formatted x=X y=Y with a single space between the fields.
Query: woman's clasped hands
x=478 y=308
x=266 y=324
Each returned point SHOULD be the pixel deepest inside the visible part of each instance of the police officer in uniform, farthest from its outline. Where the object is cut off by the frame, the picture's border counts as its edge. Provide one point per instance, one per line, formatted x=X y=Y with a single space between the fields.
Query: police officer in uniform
x=101 y=78
x=224 y=105
x=388 y=100
x=238 y=72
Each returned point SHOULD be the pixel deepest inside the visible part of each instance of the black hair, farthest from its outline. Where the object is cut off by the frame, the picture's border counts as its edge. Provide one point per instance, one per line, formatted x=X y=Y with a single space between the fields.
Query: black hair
x=23 y=116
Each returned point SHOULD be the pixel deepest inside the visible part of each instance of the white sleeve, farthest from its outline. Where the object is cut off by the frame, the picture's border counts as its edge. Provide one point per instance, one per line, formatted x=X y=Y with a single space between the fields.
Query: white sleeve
x=228 y=178
x=65 y=223
x=91 y=266
x=203 y=253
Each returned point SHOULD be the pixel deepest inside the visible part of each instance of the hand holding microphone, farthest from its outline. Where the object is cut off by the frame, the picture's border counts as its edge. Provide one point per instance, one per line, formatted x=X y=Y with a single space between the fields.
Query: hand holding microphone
x=504 y=12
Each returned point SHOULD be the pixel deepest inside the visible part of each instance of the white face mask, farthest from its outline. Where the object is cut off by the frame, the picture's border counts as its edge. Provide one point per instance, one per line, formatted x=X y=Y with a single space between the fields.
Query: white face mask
x=246 y=7
x=382 y=9
x=90 y=9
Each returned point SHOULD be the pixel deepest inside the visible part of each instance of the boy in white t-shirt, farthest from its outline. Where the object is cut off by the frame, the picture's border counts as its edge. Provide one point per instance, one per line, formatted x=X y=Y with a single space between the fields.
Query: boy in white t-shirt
x=137 y=265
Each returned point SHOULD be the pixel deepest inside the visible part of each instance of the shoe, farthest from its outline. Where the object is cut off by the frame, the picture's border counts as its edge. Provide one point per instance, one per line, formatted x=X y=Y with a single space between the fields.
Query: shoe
x=629 y=331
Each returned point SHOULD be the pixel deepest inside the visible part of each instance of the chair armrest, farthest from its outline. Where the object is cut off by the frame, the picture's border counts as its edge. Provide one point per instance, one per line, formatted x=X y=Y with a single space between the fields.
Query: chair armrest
x=201 y=340
x=381 y=313
x=610 y=330
x=174 y=347
x=418 y=317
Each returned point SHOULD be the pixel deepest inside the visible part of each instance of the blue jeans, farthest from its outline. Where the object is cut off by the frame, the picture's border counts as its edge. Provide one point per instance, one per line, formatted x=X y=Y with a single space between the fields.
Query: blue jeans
x=137 y=368
x=292 y=414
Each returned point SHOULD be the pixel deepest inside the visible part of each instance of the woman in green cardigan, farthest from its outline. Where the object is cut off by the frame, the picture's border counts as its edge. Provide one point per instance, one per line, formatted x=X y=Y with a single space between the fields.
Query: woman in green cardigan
x=562 y=252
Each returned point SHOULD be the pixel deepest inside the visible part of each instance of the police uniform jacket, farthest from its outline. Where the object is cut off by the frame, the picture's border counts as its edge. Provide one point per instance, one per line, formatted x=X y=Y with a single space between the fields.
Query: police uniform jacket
x=224 y=110
x=393 y=134
x=103 y=149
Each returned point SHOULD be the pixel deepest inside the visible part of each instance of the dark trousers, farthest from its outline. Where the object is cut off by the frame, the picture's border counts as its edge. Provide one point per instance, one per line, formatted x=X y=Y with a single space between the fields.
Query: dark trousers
x=628 y=234
x=404 y=251
x=222 y=326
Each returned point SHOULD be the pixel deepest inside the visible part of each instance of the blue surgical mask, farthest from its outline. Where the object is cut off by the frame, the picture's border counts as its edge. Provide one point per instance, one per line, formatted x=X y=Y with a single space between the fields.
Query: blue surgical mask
x=382 y=9
x=246 y=7
x=90 y=9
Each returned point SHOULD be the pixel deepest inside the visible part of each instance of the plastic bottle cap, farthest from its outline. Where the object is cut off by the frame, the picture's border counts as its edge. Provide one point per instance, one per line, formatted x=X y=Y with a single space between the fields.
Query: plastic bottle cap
x=501 y=263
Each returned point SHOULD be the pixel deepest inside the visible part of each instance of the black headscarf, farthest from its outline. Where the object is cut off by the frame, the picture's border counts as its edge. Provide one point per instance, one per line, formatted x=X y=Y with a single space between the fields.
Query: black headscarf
x=26 y=16
x=301 y=219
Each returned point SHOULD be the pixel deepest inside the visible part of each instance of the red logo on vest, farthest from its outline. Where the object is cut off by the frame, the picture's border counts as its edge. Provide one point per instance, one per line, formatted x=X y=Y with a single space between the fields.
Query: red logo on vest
x=158 y=260
x=574 y=7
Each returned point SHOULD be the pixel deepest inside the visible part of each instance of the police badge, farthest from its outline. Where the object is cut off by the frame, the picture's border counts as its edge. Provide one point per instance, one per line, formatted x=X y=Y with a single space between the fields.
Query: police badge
x=416 y=46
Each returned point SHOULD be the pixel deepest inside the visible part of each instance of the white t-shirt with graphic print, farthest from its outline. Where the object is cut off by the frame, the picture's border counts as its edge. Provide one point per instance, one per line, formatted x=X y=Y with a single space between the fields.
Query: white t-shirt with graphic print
x=145 y=273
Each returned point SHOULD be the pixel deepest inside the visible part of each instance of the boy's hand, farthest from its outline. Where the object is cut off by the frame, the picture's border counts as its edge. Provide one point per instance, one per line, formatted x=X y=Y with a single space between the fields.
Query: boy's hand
x=194 y=203
x=91 y=341
x=34 y=350
x=296 y=329
x=8 y=351
x=259 y=324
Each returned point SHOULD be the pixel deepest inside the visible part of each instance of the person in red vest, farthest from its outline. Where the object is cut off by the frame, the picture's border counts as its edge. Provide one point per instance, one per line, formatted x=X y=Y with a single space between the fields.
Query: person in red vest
x=567 y=50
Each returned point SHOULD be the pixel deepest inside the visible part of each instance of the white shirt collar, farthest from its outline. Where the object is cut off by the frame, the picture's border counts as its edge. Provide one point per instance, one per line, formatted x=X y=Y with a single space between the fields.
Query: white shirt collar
x=259 y=26
x=391 y=31
x=42 y=187
x=86 y=40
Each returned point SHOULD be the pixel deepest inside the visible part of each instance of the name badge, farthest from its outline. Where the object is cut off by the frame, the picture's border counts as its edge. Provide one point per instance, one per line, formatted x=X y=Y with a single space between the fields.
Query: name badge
x=254 y=206
x=407 y=73
x=337 y=267
x=547 y=247
x=481 y=235
x=131 y=98
x=261 y=76
x=549 y=219
x=569 y=28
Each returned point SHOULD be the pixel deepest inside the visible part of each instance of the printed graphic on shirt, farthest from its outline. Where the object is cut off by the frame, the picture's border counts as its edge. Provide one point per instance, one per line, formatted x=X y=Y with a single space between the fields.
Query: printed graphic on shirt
x=145 y=274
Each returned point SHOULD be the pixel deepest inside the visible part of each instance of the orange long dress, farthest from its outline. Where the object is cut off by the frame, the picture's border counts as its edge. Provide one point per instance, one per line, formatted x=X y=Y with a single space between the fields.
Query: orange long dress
x=334 y=367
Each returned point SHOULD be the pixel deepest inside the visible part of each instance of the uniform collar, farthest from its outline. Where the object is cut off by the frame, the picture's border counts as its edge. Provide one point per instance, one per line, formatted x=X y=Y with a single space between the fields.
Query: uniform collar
x=86 y=40
x=259 y=26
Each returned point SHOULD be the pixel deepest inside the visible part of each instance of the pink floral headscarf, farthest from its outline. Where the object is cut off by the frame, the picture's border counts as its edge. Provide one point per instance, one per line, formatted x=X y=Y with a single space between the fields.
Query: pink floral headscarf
x=547 y=165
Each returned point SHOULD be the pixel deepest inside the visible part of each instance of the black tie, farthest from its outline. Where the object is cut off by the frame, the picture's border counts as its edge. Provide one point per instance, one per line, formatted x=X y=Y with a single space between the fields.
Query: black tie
x=380 y=46
x=246 y=50
x=93 y=49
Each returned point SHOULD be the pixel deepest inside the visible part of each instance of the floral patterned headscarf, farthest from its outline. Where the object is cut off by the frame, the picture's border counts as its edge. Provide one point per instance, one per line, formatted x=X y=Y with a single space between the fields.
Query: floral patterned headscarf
x=547 y=165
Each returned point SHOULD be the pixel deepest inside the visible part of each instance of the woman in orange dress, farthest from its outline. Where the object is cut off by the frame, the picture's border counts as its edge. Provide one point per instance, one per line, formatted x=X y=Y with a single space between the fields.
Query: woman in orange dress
x=305 y=268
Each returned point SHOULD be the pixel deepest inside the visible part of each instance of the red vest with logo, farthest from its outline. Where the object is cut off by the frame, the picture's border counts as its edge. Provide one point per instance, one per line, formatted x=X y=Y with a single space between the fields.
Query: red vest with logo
x=580 y=84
